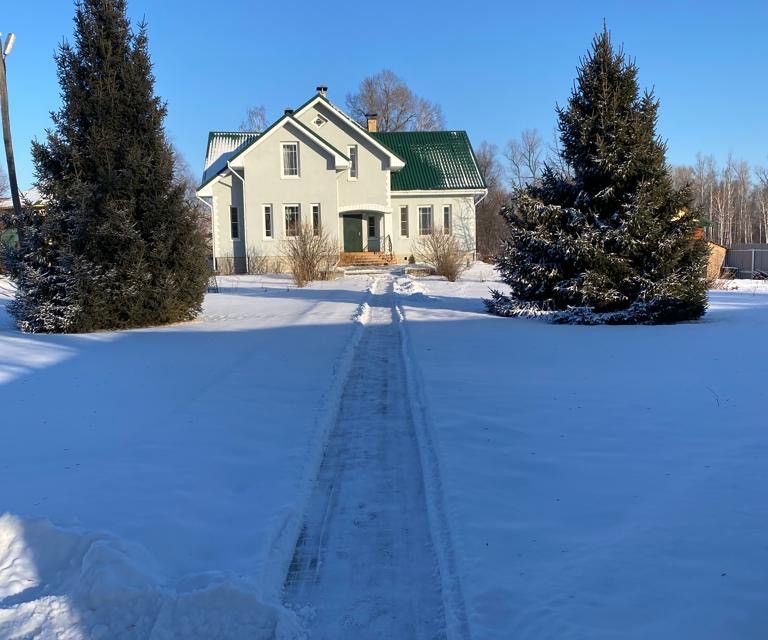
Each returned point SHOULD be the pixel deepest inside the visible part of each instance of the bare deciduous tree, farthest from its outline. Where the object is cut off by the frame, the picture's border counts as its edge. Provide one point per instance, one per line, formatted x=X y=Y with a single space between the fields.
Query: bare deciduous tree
x=255 y=119
x=525 y=158
x=397 y=107
x=731 y=200
x=492 y=230
x=186 y=178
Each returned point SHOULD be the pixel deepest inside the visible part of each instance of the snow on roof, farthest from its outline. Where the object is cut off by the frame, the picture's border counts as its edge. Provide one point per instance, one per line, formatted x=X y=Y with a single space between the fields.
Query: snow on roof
x=222 y=146
x=32 y=196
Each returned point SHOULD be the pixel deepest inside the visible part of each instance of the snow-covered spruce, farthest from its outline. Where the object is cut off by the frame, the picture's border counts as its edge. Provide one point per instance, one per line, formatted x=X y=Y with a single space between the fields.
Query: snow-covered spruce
x=604 y=237
x=639 y=312
x=118 y=246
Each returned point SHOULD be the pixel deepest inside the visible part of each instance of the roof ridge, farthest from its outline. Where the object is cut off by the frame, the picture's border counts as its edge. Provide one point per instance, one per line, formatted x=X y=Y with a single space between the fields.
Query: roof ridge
x=422 y=132
x=236 y=133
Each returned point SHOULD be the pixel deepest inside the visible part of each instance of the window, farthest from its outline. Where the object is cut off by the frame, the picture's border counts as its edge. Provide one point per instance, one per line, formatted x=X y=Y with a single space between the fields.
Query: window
x=234 y=223
x=404 y=222
x=425 y=221
x=269 y=231
x=371 y=227
x=292 y=219
x=447 y=222
x=319 y=121
x=290 y=159
x=352 y=161
x=316 y=219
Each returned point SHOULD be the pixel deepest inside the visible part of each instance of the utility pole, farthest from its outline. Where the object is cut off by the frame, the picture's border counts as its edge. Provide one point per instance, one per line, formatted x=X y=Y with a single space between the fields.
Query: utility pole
x=6 y=118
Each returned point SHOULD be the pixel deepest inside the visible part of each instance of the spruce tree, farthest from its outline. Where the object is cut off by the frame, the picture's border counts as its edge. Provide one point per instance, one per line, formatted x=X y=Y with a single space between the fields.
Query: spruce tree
x=604 y=237
x=118 y=246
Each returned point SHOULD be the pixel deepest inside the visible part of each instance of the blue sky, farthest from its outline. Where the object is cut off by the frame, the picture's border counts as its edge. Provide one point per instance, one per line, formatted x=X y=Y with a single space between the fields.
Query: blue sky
x=495 y=67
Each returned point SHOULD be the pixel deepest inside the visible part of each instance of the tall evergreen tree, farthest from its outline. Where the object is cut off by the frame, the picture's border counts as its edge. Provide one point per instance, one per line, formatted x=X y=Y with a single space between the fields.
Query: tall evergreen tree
x=605 y=237
x=118 y=246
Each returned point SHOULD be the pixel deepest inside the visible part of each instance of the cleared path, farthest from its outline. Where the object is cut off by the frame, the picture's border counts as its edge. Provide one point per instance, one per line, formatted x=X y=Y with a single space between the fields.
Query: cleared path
x=365 y=561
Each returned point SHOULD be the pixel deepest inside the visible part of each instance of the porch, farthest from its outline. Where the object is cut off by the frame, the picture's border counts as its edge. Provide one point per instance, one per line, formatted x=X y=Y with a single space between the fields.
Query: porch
x=365 y=240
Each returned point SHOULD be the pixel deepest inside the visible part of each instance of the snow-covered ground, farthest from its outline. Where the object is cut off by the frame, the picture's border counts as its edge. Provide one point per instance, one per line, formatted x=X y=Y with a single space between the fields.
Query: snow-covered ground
x=172 y=462
x=600 y=482
x=579 y=482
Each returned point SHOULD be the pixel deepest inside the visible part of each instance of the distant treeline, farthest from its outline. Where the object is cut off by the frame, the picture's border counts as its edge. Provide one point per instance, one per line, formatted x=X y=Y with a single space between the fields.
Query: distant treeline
x=732 y=199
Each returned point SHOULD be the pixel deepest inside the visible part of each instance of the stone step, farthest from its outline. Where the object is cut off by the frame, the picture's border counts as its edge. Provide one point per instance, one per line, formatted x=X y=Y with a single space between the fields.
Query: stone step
x=363 y=258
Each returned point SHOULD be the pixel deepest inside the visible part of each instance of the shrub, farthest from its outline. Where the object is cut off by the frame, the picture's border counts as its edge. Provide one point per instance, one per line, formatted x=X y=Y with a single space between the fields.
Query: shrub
x=442 y=252
x=309 y=256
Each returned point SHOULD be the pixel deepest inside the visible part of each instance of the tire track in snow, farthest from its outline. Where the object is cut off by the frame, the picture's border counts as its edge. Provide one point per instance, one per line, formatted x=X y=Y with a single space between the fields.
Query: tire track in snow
x=364 y=562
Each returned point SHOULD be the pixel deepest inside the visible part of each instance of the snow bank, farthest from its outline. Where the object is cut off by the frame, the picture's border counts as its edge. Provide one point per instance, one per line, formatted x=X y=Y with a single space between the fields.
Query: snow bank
x=600 y=482
x=73 y=584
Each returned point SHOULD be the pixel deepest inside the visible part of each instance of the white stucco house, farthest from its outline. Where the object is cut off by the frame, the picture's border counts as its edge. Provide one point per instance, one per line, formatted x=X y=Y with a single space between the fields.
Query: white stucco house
x=371 y=191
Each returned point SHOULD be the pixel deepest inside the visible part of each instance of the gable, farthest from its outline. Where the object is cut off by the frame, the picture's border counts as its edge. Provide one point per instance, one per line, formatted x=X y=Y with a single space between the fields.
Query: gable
x=221 y=157
x=434 y=160
x=345 y=130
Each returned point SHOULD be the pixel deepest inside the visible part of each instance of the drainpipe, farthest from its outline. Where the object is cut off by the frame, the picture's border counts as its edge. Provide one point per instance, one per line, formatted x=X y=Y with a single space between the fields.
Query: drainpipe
x=245 y=240
x=477 y=202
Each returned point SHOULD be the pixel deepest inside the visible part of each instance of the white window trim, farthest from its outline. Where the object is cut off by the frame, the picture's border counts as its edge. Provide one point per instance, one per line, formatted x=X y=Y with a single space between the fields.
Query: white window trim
x=357 y=162
x=239 y=226
x=448 y=231
x=285 y=217
x=272 y=217
x=316 y=231
x=432 y=214
x=407 y=221
x=282 y=160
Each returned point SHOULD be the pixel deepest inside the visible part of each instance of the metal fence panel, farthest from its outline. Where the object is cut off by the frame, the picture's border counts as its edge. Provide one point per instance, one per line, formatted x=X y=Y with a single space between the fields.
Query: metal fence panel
x=747 y=259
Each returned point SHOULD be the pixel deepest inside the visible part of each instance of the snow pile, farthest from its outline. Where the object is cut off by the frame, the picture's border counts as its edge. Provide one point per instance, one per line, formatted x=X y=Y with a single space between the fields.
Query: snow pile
x=408 y=286
x=600 y=482
x=72 y=584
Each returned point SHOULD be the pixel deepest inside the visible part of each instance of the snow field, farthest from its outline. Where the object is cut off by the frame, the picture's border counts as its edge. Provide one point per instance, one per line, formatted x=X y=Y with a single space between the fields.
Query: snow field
x=187 y=446
x=600 y=482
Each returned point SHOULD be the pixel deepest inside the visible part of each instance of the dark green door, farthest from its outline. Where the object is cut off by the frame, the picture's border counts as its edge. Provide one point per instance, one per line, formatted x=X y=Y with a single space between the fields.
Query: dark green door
x=353 y=233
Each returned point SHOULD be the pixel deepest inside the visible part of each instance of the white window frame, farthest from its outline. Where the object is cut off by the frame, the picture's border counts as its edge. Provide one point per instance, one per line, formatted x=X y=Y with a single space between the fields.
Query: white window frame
x=268 y=210
x=285 y=219
x=315 y=207
x=354 y=165
x=447 y=215
x=404 y=209
x=283 y=174
x=431 y=209
x=234 y=224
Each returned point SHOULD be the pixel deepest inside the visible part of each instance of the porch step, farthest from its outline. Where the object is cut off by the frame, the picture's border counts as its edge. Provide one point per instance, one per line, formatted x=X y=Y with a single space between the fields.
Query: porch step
x=364 y=259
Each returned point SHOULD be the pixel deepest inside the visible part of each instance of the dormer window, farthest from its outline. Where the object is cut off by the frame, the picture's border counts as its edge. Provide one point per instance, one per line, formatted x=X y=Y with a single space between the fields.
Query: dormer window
x=290 y=159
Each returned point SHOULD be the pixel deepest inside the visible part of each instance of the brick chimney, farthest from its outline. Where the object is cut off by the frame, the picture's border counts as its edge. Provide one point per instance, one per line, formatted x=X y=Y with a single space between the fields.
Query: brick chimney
x=373 y=122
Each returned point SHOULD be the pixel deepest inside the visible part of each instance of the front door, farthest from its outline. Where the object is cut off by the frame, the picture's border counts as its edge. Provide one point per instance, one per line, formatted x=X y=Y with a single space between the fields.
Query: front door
x=353 y=233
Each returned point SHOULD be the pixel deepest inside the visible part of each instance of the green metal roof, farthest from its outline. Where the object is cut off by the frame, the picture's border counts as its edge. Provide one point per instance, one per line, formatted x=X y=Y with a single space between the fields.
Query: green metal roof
x=433 y=160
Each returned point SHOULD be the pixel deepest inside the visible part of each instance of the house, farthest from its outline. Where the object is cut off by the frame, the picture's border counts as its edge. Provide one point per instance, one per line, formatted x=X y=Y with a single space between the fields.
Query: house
x=30 y=198
x=372 y=192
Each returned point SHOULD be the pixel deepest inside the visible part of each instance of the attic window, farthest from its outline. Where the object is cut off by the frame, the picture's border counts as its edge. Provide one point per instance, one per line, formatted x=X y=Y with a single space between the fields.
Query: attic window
x=319 y=121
